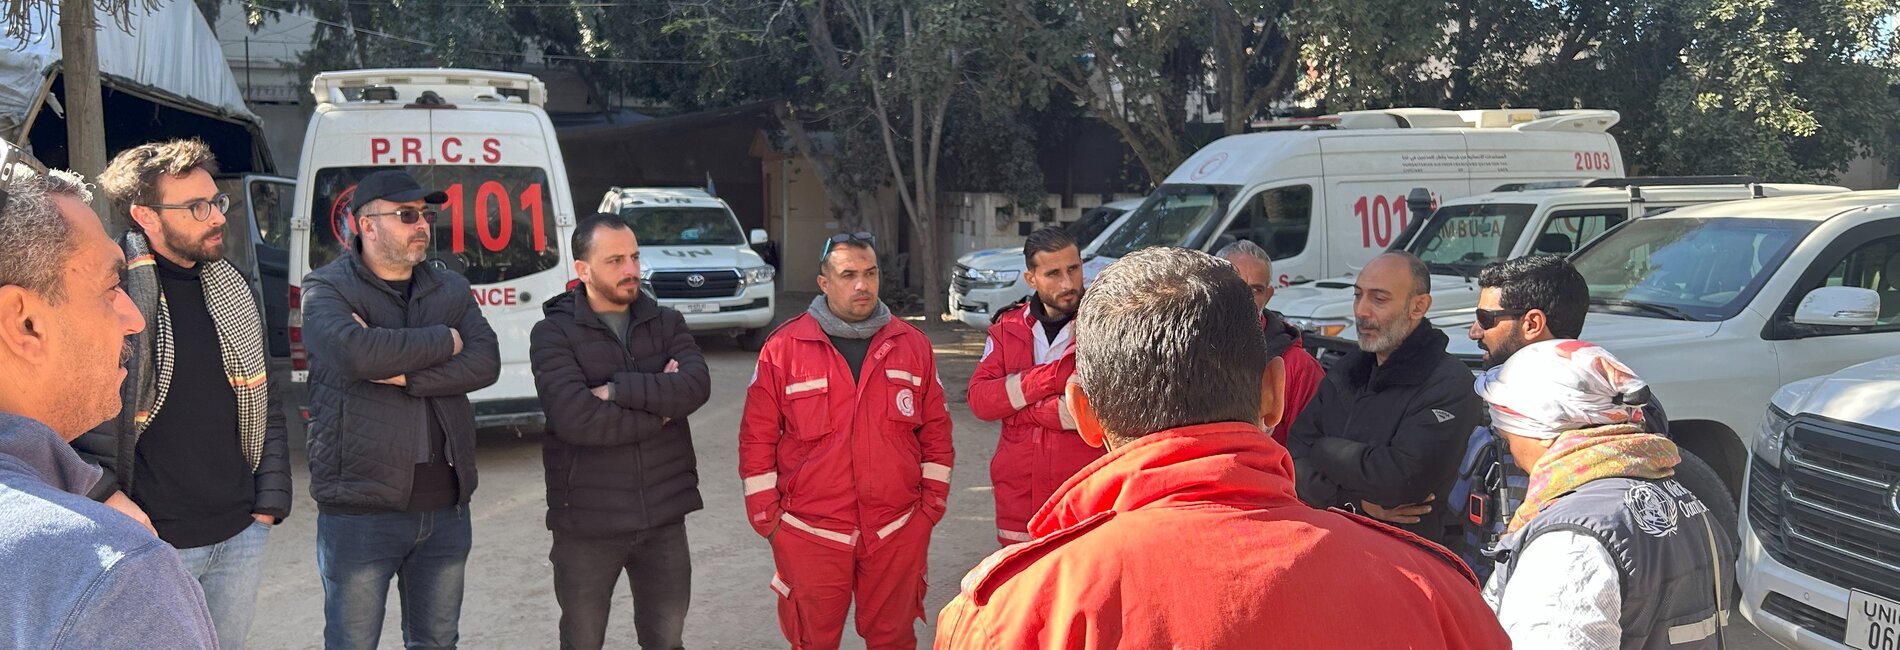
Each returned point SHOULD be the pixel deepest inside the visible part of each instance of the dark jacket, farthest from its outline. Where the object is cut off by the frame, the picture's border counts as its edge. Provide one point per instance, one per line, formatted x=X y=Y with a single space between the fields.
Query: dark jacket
x=1392 y=434
x=615 y=467
x=366 y=437
x=113 y=446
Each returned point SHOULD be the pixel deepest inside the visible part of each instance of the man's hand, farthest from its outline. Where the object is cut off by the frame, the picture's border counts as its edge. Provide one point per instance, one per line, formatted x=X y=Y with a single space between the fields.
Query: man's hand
x=604 y=392
x=1407 y=514
x=398 y=380
x=672 y=366
x=118 y=501
x=264 y=519
x=458 y=341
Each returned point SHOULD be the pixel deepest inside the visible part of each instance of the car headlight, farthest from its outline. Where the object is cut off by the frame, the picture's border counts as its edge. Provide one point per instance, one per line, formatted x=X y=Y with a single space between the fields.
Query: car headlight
x=1320 y=326
x=759 y=275
x=1773 y=436
x=992 y=276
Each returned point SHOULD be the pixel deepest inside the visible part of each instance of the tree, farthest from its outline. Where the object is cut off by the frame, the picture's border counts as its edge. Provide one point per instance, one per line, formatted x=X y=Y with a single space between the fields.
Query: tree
x=79 y=51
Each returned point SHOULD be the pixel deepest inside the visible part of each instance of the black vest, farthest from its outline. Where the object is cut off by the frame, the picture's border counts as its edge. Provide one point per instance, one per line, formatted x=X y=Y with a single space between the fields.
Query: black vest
x=1666 y=553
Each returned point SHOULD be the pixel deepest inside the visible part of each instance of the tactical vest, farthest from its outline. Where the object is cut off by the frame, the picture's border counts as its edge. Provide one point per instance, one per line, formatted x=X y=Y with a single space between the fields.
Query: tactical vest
x=1667 y=554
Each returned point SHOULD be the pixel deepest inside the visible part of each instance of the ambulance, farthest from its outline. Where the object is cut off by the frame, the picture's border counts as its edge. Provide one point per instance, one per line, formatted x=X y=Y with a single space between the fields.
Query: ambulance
x=481 y=137
x=1325 y=195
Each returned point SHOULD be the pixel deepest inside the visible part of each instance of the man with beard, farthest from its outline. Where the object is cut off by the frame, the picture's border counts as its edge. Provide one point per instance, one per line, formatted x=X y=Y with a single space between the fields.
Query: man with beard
x=1027 y=360
x=845 y=452
x=395 y=347
x=1385 y=432
x=199 y=443
x=617 y=375
x=1303 y=372
x=76 y=573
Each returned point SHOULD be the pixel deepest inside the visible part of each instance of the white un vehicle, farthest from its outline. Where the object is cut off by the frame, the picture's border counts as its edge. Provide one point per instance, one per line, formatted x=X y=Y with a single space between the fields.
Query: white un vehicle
x=483 y=138
x=695 y=258
x=1820 y=561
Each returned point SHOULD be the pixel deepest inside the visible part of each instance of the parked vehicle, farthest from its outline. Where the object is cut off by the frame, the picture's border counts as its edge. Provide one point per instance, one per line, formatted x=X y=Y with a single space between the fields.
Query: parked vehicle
x=483 y=138
x=1324 y=199
x=694 y=257
x=1464 y=235
x=1718 y=305
x=1820 y=560
x=988 y=280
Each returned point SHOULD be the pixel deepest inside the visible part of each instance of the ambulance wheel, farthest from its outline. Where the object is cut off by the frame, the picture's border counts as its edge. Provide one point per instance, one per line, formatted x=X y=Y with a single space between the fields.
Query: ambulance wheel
x=753 y=340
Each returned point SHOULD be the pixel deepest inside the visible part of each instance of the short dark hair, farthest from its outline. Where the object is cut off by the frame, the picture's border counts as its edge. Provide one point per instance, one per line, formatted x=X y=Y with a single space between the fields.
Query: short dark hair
x=1421 y=273
x=1046 y=240
x=132 y=176
x=1543 y=282
x=1168 y=337
x=824 y=262
x=584 y=231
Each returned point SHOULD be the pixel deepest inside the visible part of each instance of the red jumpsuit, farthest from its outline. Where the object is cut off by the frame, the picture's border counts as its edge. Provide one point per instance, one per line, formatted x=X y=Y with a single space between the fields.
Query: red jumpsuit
x=1020 y=381
x=846 y=478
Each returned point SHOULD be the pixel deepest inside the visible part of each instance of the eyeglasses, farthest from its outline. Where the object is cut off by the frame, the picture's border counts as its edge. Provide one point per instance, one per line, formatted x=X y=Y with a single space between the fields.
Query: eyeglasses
x=843 y=237
x=199 y=209
x=1489 y=318
x=407 y=215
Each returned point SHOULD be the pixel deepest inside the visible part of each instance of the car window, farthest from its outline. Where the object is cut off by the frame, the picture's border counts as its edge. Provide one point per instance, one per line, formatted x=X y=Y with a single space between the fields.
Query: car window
x=271 y=202
x=1091 y=225
x=1467 y=237
x=1567 y=230
x=1704 y=268
x=1278 y=220
x=1873 y=265
x=495 y=226
x=1175 y=215
x=683 y=226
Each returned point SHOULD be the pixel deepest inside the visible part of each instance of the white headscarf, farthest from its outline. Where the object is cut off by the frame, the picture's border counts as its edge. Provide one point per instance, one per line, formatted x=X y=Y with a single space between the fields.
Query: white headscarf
x=1550 y=387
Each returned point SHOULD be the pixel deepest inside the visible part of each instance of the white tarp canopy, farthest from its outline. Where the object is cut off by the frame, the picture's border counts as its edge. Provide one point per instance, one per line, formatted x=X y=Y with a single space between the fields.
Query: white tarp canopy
x=170 y=48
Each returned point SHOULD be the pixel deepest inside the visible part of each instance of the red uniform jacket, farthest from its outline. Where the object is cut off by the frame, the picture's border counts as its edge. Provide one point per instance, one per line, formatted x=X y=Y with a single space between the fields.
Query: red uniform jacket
x=1303 y=375
x=1038 y=448
x=844 y=463
x=1194 y=538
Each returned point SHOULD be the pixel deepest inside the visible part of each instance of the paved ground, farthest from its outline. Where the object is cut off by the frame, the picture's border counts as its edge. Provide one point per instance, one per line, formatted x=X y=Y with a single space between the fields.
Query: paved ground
x=510 y=602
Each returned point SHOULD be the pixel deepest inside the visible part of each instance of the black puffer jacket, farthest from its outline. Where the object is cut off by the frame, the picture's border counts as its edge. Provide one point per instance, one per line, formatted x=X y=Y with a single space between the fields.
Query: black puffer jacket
x=366 y=437
x=616 y=467
x=1389 y=434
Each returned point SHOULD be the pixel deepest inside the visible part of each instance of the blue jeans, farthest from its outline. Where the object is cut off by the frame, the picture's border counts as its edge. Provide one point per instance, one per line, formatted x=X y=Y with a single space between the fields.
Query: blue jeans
x=424 y=551
x=229 y=571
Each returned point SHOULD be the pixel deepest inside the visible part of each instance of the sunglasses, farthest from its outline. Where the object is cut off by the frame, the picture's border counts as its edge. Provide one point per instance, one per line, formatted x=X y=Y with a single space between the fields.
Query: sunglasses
x=842 y=237
x=407 y=215
x=199 y=209
x=1489 y=318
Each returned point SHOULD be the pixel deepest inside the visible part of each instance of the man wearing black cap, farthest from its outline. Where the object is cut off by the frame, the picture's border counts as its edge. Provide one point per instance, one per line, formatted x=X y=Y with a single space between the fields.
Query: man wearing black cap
x=395 y=348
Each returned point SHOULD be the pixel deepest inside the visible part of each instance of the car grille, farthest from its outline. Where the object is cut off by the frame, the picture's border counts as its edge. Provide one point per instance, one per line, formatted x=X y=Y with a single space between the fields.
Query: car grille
x=1813 y=620
x=1837 y=517
x=677 y=284
x=961 y=281
x=1764 y=507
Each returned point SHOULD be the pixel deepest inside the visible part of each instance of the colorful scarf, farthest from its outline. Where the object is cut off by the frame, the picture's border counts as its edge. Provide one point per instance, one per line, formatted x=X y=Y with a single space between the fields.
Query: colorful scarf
x=1584 y=455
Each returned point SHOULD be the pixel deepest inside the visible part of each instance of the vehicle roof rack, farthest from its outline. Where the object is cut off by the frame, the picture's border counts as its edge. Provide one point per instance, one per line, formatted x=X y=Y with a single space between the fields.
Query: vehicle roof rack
x=1655 y=181
x=1539 y=185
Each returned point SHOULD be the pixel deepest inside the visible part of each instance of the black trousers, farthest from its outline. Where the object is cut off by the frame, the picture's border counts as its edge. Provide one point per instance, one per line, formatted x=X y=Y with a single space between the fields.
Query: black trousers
x=659 y=571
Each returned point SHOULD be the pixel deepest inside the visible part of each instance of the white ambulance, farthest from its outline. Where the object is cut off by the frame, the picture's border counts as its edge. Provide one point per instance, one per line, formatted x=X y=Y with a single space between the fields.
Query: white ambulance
x=1325 y=195
x=483 y=138
x=695 y=258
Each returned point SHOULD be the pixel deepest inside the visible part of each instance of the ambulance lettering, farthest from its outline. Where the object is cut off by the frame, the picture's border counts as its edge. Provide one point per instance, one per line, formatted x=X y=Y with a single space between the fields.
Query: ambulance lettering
x=1377 y=217
x=495 y=296
x=450 y=150
x=1595 y=161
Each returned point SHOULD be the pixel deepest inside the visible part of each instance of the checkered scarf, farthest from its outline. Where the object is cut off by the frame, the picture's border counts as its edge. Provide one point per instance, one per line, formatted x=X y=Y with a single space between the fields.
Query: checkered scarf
x=235 y=314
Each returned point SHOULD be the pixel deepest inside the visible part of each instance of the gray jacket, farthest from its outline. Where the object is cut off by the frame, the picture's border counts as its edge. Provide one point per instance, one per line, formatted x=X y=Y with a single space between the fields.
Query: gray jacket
x=366 y=437
x=77 y=573
x=1659 y=535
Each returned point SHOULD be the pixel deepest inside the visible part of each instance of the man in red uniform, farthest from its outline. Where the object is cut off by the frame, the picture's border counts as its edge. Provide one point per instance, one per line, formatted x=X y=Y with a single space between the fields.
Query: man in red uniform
x=845 y=452
x=1303 y=373
x=1189 y=534
x=1028 y=359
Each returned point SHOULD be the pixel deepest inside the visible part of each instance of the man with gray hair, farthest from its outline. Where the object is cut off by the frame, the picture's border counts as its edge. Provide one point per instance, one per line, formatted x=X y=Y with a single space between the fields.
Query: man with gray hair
x=1303 y=372
x=77 y=573
x=1391 y=420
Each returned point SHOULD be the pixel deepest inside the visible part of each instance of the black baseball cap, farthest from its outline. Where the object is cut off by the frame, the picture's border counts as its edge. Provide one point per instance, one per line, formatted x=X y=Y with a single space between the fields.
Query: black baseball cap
x=393 y=185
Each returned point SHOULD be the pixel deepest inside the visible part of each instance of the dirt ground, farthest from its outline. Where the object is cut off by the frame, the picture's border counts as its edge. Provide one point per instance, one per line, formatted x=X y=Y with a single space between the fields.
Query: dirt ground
x=509 y=600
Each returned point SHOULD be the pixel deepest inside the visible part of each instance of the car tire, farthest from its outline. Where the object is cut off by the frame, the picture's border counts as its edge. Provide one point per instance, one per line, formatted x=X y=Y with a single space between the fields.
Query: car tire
x=1699 y=478
x=754 y=340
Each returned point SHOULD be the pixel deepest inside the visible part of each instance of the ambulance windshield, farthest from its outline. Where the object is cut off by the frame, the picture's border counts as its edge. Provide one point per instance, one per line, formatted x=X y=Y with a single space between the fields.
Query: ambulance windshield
x=495 y=227
x=1175 y=215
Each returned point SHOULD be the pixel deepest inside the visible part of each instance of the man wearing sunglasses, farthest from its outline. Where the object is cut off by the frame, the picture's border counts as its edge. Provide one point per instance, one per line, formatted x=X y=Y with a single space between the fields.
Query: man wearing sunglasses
x=845 y=452
x=198 y=449
x=395 y=347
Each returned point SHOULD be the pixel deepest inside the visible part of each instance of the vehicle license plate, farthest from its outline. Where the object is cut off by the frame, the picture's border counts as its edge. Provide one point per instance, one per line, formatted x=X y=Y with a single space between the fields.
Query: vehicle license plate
x=697 y=307
x=1873 y=623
